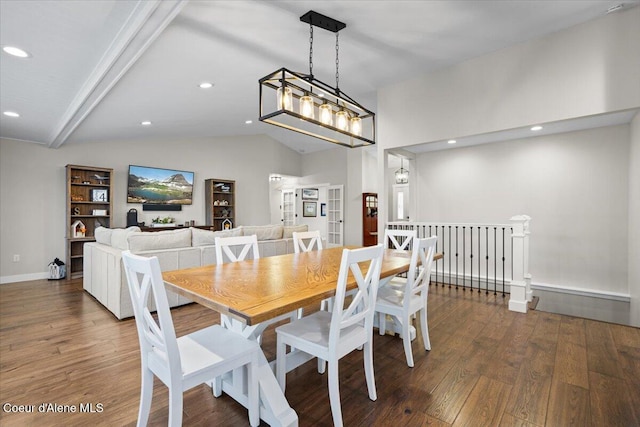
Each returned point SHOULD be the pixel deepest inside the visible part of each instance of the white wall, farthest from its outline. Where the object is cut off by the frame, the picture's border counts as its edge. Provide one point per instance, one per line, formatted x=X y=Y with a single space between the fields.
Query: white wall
x=588 y=69
x=634 y=221
x=574 y=186
x=32 y=187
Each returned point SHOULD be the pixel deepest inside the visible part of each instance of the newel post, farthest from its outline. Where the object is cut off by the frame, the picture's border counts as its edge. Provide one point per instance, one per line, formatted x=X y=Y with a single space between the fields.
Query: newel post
x=520 y=285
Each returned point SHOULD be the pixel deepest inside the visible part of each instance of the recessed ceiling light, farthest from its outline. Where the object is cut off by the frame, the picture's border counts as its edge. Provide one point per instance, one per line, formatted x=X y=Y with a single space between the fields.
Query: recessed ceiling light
x=146 y=123
x=205 y=85
x=16 y=51
x=536 y=128
x=451 y=141
x=11 y=114
x=248 y=122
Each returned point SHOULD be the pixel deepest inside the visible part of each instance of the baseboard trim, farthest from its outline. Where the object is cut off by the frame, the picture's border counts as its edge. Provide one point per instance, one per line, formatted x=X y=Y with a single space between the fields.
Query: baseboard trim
x=23 y=277
x=614 y=296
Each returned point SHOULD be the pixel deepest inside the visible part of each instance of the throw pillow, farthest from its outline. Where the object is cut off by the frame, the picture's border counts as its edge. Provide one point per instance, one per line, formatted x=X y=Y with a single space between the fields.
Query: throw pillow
x=263 y=232
x=119 y=237
x=208 y=238
x=287 y=233
x=103 y=235
x=157 y=240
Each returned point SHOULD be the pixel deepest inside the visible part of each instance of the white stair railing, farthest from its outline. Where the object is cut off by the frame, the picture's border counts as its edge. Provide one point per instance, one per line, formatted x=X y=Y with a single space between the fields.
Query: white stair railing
x=481 y=257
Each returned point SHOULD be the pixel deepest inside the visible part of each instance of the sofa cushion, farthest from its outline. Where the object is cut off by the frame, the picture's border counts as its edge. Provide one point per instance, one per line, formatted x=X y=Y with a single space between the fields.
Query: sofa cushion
x=208 y=238
x=103 y=235
x=287 y=232
x=119 y=237
x=263 y=232
x=156 y=240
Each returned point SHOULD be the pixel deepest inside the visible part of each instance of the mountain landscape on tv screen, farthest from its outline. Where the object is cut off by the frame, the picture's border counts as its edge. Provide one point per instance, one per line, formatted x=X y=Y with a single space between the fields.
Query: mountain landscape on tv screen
x=174 y=189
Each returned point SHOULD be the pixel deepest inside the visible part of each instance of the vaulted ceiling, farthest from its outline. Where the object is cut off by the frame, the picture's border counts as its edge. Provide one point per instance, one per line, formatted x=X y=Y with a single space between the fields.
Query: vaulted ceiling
x=99 y=68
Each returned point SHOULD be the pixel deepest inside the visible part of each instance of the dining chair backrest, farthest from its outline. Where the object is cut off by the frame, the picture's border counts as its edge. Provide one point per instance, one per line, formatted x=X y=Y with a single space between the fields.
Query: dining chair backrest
x=157 y=338
x=188 y=361
x=362 y=306
x=421 y=256
x=228 y=247
x=399 y=239
x=312 y=239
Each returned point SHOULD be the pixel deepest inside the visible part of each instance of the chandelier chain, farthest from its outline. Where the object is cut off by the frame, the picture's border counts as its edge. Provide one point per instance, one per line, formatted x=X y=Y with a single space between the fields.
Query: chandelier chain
x=311 y=50
x=337 y=63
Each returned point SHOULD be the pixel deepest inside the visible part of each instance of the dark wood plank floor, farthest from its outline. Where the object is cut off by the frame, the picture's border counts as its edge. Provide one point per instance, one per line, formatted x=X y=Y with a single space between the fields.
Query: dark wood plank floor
x=487 y=367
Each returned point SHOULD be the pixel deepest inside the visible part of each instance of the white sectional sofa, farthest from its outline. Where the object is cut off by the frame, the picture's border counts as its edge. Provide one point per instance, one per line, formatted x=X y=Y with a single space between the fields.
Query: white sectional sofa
x=104 y=276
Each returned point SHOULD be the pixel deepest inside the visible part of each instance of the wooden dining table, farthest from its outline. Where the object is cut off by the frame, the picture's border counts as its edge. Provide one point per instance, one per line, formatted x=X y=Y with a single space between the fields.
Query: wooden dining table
x=257 y=292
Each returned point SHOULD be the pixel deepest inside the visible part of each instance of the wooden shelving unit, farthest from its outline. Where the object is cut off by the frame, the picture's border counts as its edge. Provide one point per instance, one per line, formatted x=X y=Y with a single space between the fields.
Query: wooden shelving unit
x=220 y=201
x=89 y=202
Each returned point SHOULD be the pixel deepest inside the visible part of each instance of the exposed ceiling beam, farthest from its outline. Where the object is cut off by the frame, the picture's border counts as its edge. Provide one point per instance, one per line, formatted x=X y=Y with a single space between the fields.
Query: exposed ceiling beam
x=147 y=21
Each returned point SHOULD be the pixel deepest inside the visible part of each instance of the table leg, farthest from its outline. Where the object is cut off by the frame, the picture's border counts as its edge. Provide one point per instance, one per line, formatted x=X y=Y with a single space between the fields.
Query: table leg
x=274 y=408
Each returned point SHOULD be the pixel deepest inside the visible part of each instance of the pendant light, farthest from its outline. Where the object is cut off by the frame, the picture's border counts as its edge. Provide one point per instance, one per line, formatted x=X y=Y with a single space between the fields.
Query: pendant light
x=289 y=99
x=402 y=175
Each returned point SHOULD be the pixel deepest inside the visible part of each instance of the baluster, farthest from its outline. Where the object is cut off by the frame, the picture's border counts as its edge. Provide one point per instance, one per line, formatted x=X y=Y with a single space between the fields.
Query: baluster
x=479 y=261
x=464 y=260
x=449 y=256
x=471 y=257
x=436 y=251
x=457 y=257
x=486 y=252
x=495 y=261
x=444 y=253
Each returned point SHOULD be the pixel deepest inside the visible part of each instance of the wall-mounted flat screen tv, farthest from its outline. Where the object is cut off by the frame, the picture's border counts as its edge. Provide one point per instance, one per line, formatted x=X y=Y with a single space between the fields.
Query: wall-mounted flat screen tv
x=159 y=186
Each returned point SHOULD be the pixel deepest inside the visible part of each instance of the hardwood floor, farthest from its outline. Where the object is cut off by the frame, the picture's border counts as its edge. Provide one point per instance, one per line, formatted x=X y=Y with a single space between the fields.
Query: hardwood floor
x=487 y=367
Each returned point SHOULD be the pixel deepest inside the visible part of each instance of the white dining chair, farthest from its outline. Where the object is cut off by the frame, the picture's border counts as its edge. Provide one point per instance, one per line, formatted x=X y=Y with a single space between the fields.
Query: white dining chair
x=240 y=248
x=306 y=241
x=399 y=239
x=185 y=362
x=237 y=248
x=404 y=303
x=330 y=336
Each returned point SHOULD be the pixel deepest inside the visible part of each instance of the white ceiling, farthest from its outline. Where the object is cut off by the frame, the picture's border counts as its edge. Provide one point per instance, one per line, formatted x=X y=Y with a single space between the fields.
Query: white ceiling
x=99 y=68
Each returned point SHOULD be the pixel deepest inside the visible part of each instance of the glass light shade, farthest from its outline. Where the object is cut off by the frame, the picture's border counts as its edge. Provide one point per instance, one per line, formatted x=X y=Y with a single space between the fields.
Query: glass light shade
x=356 y=126
x=284 y=102
x=342 y=120
x=326 y=114
x=306 y=107
x=402 y=176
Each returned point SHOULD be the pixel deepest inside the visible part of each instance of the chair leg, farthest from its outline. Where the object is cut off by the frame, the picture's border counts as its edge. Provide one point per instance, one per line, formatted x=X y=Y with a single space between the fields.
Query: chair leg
x=216 y=386
x=253 y=392
x=425 y=329
x=406 y=340
x=175 y=405
x=334 y=393
x=382 y=323
x=322 y=366
x=146 y=394
x=368 y=370
x=281 y=363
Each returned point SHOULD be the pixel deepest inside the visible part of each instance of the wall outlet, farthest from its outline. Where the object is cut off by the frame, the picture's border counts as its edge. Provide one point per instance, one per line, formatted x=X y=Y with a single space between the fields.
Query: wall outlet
x=16 y=258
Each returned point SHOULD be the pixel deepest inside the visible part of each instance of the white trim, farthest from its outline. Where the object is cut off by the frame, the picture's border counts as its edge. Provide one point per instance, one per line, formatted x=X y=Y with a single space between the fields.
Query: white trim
x=615 y=296
x=23 y=277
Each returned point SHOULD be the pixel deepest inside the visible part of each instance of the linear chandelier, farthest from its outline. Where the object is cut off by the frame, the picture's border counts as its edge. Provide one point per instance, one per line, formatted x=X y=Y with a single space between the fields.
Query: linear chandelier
x=302 y=103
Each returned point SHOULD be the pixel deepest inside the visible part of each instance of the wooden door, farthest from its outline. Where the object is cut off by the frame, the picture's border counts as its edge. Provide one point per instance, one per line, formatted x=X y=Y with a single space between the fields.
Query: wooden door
x=369 y=219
